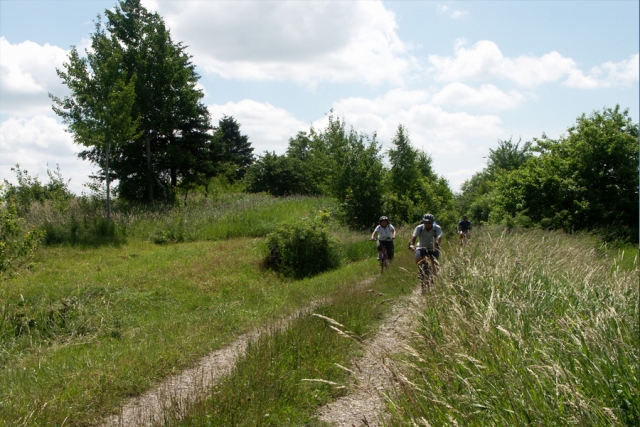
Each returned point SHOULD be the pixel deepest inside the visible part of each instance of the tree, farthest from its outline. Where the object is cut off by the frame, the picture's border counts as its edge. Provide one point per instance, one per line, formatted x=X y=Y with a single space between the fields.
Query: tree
x=279 y=176
x=155 y=83
x=585 y=180
x=404 y=174
x=478 y=193
x=99 y=113
x=231 y=151
x=508 y=156
x=413 y=187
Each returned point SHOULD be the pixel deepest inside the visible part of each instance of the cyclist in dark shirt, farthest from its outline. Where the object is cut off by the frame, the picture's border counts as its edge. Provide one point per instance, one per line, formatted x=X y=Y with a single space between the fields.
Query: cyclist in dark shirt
x=464 y=227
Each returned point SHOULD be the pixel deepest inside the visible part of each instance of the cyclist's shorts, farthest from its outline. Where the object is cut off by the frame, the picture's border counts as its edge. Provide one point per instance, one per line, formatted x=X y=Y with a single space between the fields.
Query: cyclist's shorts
x=421 y=253
x=388 y=244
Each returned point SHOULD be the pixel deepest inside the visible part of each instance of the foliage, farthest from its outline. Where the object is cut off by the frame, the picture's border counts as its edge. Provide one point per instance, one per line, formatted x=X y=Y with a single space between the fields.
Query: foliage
x=99 y=113
x=230 y=150
x=413 y=189
x=586 y=180
x=334 y=161
x=280 y=176
x=30 y=190
x=478 y=193
x=17 y=244
x=301 y=249
x=135 y=93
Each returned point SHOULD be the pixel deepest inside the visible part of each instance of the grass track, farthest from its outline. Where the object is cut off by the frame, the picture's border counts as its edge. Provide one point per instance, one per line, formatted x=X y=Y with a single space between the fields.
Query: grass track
x=125 y=317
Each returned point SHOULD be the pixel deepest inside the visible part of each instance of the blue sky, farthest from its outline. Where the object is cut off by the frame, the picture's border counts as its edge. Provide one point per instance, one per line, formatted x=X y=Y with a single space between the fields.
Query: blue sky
x=459 y=75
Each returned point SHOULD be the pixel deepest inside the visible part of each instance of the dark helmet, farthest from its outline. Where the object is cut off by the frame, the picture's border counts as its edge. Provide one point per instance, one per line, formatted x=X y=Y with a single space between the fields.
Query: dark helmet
x=383 y=218
x=428 y=217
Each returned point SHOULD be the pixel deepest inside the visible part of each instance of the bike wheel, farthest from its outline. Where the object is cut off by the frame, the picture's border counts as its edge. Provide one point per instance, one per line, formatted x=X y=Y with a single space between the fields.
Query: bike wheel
x=383 y=262
x=425 y=276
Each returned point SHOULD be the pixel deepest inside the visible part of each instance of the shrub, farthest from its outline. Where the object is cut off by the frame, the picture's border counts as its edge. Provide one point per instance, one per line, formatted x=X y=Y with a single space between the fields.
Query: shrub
x=17 y=245
x=302 y=249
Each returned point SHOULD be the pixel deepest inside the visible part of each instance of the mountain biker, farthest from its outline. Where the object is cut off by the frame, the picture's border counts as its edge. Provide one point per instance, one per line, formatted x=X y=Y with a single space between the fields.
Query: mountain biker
x=464 y=227
x=429 y=236
x=386 y=233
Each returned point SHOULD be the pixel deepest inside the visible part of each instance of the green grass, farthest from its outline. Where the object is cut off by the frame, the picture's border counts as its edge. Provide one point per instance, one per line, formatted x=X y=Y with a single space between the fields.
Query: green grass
x=123 y=318
x=270 y=387
x=527 y=328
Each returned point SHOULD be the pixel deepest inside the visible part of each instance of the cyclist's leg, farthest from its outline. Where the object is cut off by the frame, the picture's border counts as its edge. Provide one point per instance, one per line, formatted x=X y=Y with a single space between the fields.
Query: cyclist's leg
x=390 y=249
x=379 y=247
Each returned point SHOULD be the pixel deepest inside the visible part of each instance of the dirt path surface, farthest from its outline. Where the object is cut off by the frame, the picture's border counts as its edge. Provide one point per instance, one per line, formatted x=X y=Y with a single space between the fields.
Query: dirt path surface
x=175 y=394
x=372 y=373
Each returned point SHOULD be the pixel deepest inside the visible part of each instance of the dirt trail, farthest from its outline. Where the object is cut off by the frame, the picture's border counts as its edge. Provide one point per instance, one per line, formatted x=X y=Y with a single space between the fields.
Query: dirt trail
x=175 y=394
x=372 y=374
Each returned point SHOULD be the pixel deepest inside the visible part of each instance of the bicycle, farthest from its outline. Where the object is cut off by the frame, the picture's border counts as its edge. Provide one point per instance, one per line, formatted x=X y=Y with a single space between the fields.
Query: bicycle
x=428 y=267
x=384 y=257
x=464 y=237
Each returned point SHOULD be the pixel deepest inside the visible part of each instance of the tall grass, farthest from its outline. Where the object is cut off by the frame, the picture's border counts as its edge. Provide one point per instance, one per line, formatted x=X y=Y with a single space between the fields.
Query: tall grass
x=81 y=221
x=526 y=328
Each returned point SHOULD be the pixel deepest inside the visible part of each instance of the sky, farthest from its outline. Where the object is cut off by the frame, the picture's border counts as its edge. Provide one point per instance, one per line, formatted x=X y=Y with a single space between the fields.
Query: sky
x=459 y=75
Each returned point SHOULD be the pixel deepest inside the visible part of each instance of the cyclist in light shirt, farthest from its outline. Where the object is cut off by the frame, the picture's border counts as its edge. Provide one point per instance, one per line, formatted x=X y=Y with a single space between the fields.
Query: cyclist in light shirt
x=429 y=235
x=386 y=233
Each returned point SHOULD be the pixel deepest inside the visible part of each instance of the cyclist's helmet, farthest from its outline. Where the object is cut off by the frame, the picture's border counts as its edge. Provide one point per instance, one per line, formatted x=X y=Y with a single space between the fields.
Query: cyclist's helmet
x=428 y=217
x=383 y=218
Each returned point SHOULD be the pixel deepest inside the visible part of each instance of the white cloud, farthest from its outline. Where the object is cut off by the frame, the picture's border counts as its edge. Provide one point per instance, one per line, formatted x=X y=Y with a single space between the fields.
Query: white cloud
x=269 y=128
x=432 y=127
x=608 y=74
x=27 y=74
x=304 y=42
x=36 y=142
x=452 y=13
x=487 y=97
x=485 y=61
x=457 y=141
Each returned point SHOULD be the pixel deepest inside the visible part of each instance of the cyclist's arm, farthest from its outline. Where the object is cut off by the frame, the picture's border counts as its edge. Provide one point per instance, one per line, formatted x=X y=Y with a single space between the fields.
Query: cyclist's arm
x=412 y=242
x=438 y=238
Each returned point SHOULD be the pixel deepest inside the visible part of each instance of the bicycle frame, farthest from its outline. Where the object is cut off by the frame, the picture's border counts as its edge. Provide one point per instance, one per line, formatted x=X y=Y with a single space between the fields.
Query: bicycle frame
x=384 y=257
x=427 y=266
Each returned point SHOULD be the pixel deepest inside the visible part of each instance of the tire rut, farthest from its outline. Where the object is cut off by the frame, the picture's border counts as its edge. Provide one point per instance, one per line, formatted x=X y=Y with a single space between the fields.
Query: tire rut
x=175 y=395
x=373 y=373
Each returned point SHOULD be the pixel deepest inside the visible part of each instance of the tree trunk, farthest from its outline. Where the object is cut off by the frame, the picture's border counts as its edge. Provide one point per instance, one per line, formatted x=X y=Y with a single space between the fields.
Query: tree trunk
x=164 y=190
x=149 y=171
x=108 y=183
x=174 y=177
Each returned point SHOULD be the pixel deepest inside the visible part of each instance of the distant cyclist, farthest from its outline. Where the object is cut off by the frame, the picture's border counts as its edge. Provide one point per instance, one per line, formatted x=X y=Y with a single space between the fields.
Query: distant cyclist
x=464 y=227
x=386 y=233
x=429 y=235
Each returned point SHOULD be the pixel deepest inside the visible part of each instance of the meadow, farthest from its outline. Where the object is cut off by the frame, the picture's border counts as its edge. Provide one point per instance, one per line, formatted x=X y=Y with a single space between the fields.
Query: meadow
x=523 y=327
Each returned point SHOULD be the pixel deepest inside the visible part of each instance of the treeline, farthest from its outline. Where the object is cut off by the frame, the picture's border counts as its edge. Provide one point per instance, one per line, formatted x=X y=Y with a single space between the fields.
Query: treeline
x=584 y=180
x=350 y=166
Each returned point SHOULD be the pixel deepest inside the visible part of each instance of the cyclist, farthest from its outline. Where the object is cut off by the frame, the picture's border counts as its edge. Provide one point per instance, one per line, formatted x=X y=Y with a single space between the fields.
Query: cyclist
x=429 y=236
x=386 y=233
x=464 y=227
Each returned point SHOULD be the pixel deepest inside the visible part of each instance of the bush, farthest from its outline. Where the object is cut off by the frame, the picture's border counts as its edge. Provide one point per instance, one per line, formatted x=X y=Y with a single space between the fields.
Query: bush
x=301 y=250
x=17 y=245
